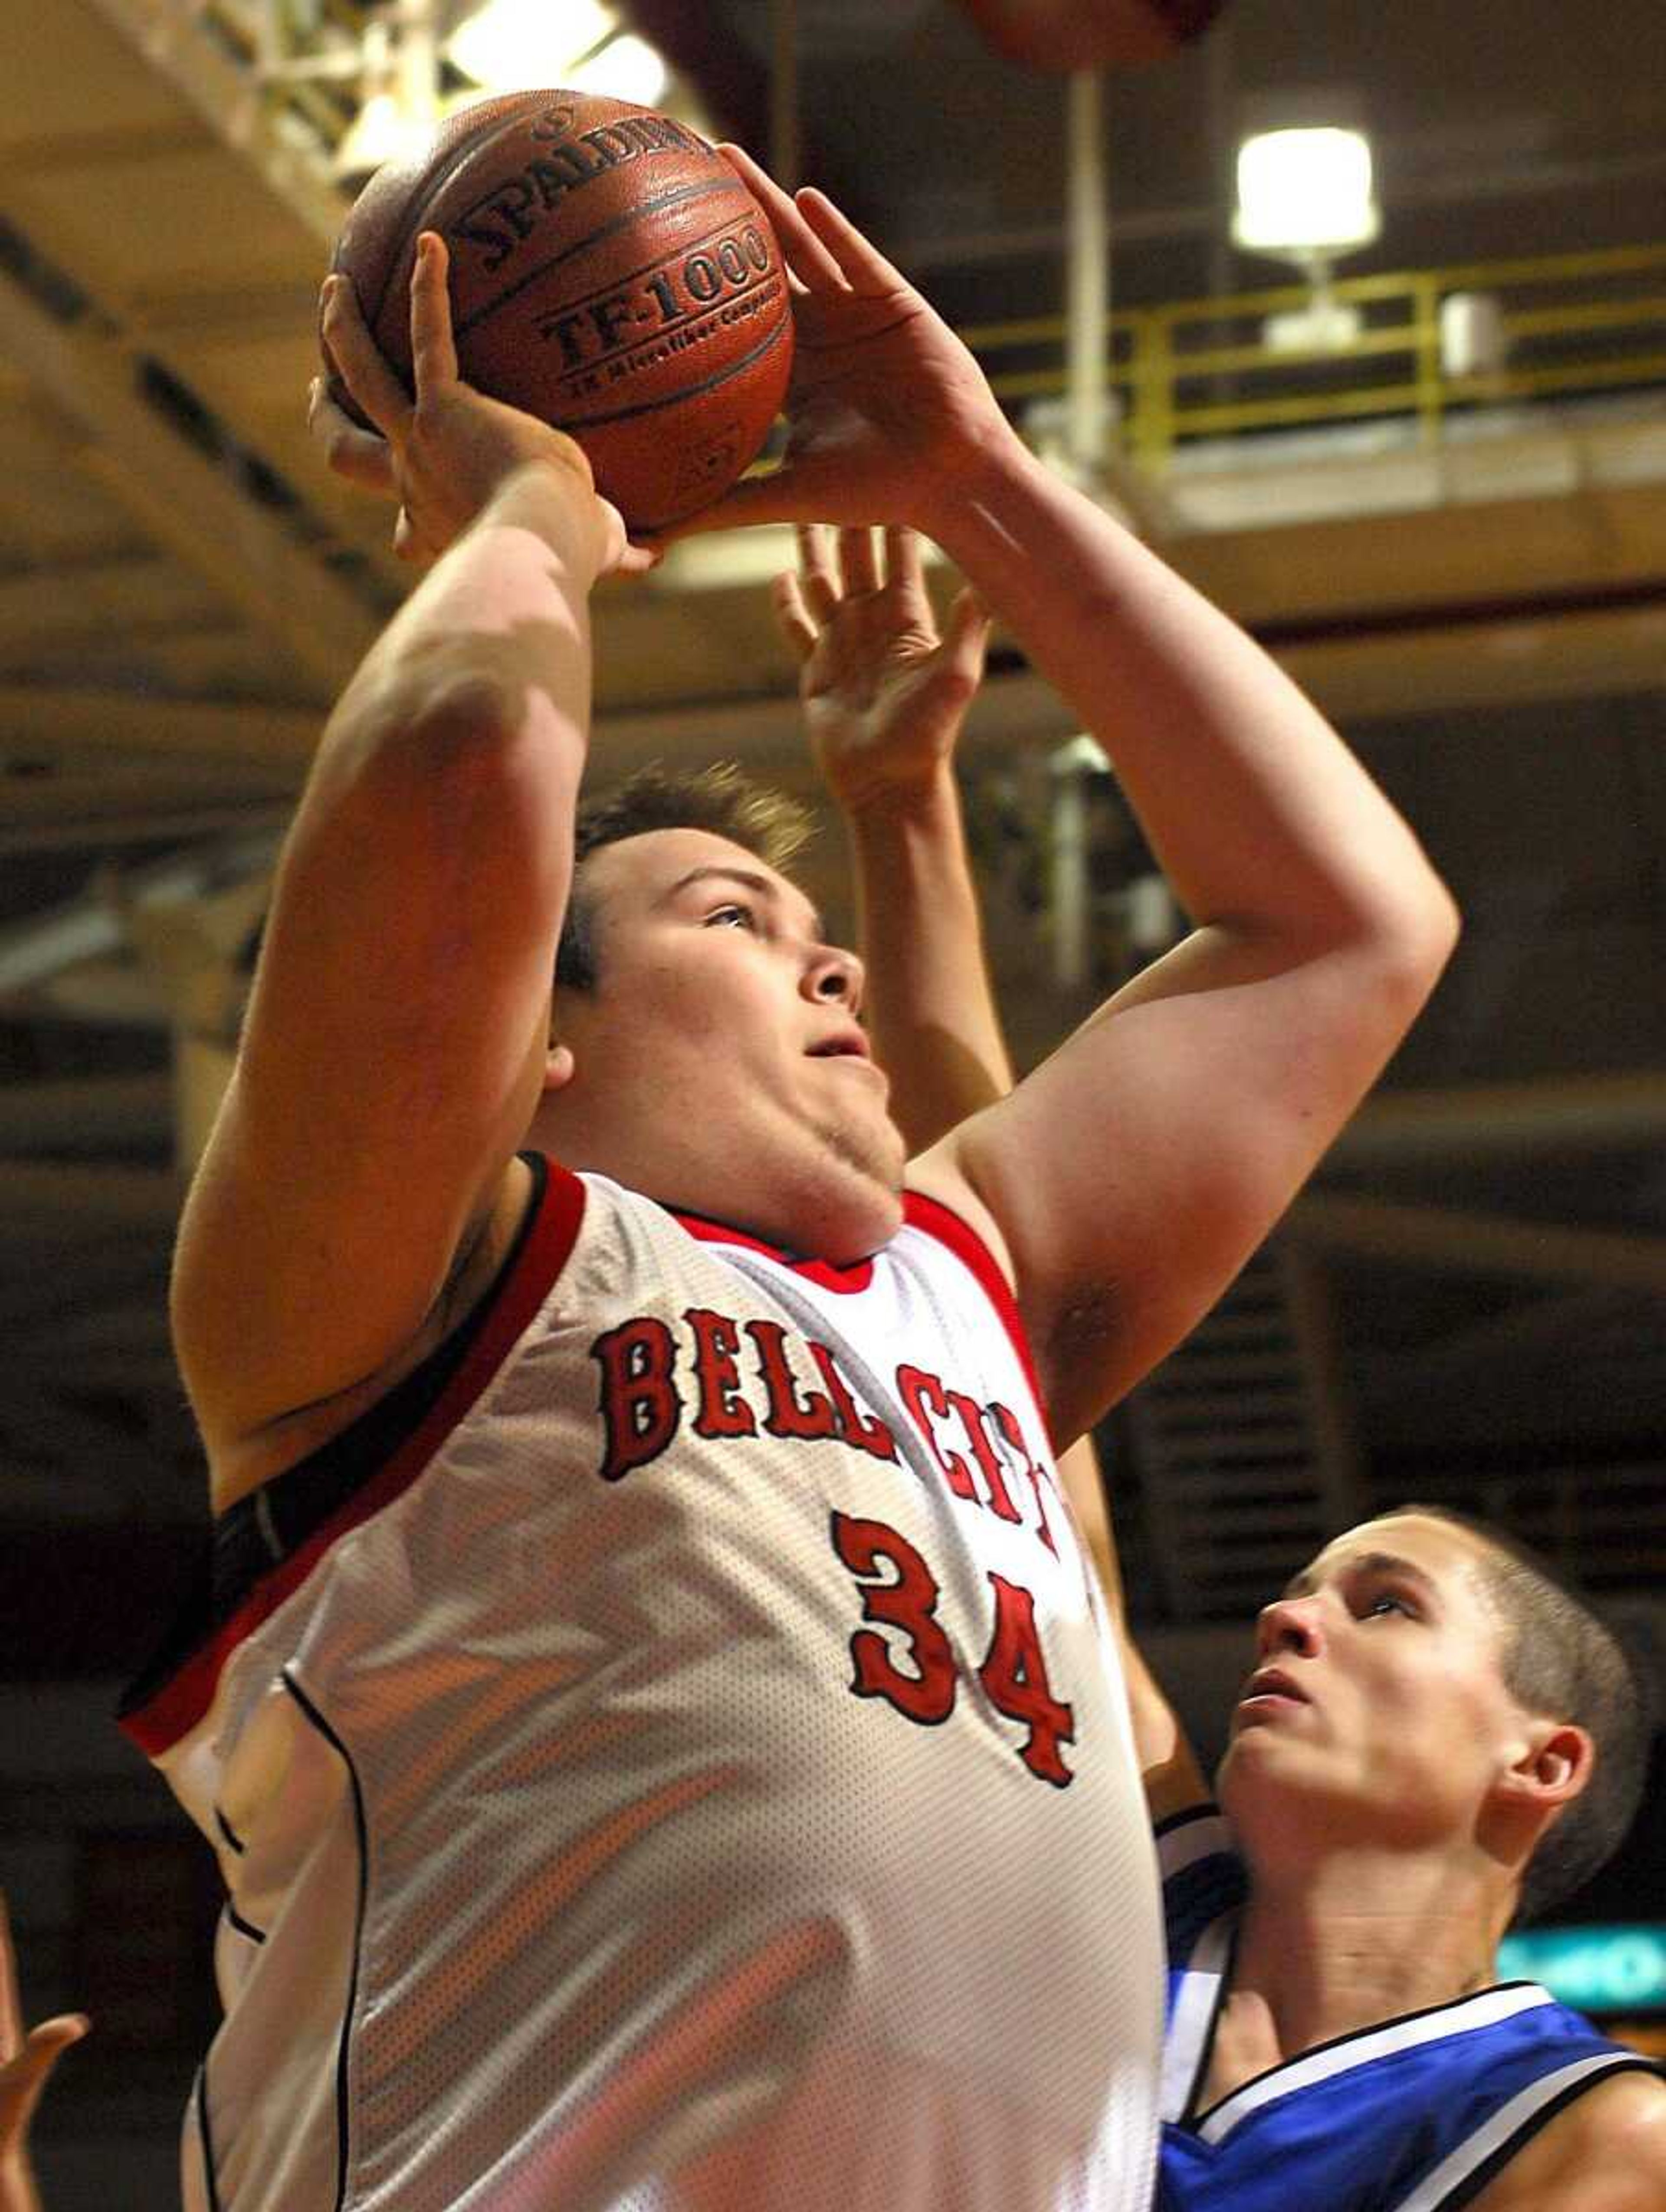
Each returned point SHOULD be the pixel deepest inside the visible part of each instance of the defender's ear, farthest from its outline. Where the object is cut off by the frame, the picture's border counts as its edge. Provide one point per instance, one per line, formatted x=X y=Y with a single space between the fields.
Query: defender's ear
x=1554 y=1766
x=558 y=1065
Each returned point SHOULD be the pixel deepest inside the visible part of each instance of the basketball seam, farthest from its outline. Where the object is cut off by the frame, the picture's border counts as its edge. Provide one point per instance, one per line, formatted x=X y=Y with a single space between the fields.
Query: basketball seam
x=625 y=220
x=439 y=180
x=684 y=391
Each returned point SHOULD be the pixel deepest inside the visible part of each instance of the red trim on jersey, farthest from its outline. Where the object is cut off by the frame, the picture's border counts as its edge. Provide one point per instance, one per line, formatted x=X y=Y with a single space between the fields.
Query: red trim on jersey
x=938 y=1220
x=178 y=1707
x=827 y=1273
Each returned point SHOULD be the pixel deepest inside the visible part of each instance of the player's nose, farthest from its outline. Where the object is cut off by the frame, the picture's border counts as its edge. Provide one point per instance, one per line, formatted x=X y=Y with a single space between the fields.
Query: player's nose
x=1289 y=1623
x=834 y=977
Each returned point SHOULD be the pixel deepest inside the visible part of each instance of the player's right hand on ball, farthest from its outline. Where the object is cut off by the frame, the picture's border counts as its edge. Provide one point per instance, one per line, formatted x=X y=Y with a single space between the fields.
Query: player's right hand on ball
x=889 y=417
x=443 y=453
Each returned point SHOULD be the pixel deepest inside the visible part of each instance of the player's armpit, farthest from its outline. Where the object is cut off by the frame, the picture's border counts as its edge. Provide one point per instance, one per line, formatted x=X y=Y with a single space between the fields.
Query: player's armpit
x=1606 y=2152
x=1136 y=1170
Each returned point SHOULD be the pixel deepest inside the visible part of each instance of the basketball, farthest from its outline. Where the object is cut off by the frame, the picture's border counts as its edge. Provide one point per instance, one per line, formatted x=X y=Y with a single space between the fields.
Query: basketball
x=609 y=274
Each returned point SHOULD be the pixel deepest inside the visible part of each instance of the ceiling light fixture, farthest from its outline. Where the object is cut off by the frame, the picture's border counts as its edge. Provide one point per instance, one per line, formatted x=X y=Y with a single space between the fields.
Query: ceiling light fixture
x=1305 y=195
x=522 y=46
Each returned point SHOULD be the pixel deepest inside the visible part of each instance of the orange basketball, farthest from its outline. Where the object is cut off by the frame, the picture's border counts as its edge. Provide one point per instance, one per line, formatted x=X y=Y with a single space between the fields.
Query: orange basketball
x=610 y=273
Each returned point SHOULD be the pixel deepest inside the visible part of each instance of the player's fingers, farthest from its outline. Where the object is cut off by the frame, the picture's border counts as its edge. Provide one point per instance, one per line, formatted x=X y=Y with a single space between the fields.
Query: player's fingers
x=821 y=587
x=805 y=255
x=857 y=261
x=904 y=563
x=434 y=348
x=784 y=494
x=377 y=391
x=11 y=2011
x=858 y=563
x=637 y=558
x=966 y=639
x=363 y=457
x=792 y=617
x=23 y=2078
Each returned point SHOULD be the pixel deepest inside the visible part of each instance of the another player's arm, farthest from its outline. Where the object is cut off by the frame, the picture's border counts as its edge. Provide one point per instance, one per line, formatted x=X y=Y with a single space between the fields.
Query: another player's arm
x=1174 y=1782
x=885 y=696
x=1606 y=2152
x=395 y=1042
x=1134 y=1172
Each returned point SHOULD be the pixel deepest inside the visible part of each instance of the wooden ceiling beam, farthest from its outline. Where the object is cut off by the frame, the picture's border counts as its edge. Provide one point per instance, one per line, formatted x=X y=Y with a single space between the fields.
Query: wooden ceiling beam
x=276 y=741
x=1453 y=1242
x=183 y=500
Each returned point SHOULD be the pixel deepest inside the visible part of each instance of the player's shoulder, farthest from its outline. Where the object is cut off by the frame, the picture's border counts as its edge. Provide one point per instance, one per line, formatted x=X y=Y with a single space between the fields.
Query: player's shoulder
x=1604 y=2151
x=937 y=1195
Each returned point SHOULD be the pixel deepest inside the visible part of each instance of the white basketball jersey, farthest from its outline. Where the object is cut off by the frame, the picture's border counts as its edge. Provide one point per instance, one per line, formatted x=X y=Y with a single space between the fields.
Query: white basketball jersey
x=671 y=1757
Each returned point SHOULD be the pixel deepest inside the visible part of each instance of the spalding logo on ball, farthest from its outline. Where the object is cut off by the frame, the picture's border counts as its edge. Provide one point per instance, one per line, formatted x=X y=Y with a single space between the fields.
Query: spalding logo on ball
x=610 y=273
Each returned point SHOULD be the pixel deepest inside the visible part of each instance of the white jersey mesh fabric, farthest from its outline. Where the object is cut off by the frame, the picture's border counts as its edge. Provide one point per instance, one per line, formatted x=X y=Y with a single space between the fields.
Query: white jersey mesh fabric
x=698 y=1783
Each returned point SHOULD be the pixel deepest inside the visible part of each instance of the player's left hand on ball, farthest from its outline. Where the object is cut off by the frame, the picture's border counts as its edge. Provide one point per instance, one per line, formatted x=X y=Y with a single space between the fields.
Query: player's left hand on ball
x=884 y=693
x=443 y=452
x=888 y=411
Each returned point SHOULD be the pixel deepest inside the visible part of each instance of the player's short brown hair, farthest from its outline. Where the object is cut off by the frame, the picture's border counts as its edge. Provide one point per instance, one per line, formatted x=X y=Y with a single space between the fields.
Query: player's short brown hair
x=1560 y=1660
x=719 y=798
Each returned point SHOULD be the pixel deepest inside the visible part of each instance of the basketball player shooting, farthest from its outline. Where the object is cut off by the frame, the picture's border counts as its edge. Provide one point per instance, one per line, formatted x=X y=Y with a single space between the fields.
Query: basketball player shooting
x=1434 y=1739
x=649 y=1705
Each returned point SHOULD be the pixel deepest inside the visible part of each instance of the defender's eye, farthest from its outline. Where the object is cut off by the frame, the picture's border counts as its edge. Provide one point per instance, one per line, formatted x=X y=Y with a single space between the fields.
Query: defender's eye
x=731 y=917
x=1391 y=1599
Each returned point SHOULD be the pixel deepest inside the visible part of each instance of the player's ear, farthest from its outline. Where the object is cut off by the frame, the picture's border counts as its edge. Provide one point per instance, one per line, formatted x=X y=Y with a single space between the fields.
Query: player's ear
x=1554 y=1764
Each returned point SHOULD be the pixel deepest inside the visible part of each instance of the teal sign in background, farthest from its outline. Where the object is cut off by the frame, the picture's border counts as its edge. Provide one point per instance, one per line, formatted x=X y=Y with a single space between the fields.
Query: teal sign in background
x=1592 y=1969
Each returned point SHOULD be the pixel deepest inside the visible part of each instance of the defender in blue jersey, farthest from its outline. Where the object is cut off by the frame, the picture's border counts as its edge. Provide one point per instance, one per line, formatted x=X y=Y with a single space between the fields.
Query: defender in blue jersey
x=1435 y=1739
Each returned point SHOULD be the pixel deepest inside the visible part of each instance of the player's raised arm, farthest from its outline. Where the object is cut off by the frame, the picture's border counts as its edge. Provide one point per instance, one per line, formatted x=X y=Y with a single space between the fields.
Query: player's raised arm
x=1132 y=1175
x=395 y=1044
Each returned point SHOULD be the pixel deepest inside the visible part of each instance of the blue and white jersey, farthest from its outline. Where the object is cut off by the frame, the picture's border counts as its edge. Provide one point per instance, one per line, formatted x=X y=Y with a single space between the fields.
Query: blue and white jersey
x=1413 y=2115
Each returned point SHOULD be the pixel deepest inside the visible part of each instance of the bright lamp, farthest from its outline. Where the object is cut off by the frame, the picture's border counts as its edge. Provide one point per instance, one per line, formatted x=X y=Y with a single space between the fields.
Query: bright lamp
x=1304 y=192
x=512 y=46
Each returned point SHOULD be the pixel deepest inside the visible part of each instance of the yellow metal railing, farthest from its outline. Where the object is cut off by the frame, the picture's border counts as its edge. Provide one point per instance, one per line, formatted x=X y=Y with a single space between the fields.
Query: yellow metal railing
x=1199 y=368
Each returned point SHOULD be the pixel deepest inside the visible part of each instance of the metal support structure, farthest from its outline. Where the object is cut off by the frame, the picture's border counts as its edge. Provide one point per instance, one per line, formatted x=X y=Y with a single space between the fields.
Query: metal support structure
x=1458 y=1242
x=1088 y=434
x=182 y=498
x=786 y=152
x=1069 y=903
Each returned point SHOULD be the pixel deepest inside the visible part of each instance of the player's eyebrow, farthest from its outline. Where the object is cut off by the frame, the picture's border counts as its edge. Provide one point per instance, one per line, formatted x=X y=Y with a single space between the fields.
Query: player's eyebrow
x=764 y=886
x=1369 y=1562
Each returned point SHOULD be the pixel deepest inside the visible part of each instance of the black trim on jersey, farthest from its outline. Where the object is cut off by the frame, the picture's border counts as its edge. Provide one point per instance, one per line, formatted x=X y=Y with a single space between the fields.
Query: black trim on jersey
x=1204 y=1809
x=229 y=1832
x=205 y=2134
x=1358 y=2035
x=243 y=1927
x=1469 y=2188
x=268 y=1526
x=343 y=2113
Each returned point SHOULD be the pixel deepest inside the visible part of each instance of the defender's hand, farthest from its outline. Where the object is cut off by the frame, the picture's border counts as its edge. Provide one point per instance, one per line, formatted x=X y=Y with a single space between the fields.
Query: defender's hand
x=889 y=414
x=26 y=2064
x=884 y=695
x=443 y=453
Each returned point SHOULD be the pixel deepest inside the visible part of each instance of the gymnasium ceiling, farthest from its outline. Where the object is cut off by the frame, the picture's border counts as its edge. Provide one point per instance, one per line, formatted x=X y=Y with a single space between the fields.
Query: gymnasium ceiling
x=183 y=589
